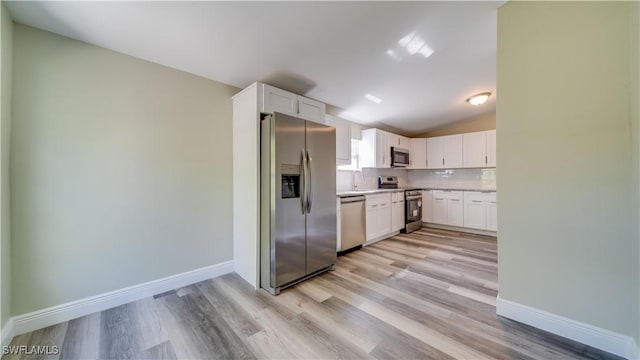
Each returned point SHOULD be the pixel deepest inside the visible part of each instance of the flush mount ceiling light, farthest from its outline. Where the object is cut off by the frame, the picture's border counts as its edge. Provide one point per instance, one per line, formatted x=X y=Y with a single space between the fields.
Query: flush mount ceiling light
x=479 y=99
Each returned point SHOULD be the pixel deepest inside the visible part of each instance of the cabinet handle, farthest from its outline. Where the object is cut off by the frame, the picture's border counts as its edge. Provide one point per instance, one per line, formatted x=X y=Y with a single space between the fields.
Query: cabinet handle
x=442 y=161
x=476 y=201
x=494 y=202
x=374 y=205
x=486 y=161
x=454 y=199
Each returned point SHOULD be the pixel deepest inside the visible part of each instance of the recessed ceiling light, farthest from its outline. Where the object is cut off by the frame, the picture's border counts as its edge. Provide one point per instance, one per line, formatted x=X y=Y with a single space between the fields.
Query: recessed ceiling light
x=479 y=99
x=414 y=44
x=375 y=99
x=393 y=55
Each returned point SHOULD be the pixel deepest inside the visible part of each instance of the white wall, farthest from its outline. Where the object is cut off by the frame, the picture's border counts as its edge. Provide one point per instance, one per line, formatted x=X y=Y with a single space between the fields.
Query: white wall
x=120 y=171
x=566 y=243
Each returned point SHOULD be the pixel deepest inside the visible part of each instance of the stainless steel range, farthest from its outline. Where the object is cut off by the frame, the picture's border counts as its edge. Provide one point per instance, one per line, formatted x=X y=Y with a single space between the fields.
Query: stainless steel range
x=413 y=212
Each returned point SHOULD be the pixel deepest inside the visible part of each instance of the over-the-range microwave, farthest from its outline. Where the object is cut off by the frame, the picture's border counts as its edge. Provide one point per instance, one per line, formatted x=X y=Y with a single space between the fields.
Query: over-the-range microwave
x=399 y=157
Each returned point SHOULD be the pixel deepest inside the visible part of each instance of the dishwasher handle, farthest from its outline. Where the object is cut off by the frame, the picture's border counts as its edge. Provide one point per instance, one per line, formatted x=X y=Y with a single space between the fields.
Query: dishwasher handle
x=351 y=199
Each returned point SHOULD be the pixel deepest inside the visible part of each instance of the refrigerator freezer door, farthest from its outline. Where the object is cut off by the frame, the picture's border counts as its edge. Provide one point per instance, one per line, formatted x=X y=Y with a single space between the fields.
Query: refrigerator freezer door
x=288 y=245
x=321 y=216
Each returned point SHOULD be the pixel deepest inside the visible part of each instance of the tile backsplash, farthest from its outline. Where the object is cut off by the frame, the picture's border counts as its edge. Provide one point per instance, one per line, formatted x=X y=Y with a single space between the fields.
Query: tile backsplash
x=367 y=178
x=484 y=179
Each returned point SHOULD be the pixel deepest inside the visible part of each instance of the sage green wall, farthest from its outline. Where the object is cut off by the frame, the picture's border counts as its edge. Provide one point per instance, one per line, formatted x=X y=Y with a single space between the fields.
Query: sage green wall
x=566 y=242
x=635 y=138
x=121 y=171
x=476 y=123
x=6 y=60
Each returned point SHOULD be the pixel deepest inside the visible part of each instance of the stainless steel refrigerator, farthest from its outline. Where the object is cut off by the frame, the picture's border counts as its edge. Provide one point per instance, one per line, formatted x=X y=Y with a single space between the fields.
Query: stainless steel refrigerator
x=297 y=200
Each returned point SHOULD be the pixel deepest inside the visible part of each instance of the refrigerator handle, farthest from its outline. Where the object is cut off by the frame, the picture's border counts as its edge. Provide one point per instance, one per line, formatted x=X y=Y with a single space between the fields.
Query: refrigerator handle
x=310 y=189
x=303 y=183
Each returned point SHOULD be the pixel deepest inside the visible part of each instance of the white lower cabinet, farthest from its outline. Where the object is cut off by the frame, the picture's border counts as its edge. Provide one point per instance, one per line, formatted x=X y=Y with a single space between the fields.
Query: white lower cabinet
x=480 y=210
x=448 y=208
x=475 y=210
x=427 y=206
x=469 y=209
x=492 y=213
x=455 y=211
x=397 y=211
x=378 y=215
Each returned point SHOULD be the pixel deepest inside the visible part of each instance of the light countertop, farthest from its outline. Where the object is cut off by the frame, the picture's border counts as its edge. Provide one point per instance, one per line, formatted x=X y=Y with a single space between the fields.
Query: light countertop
x=378 y=191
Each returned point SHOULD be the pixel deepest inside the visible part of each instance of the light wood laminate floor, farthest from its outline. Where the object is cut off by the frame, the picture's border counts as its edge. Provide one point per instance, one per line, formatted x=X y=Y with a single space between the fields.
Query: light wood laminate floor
x=426 y=295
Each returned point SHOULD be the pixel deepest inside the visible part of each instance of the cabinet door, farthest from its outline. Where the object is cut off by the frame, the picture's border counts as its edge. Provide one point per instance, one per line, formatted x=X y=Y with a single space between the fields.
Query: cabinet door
x=452 y=151
x=393 y=140
x=492 y=214
x=491 y=148
x=278 y=100
x=455 y=212
x=394 y=215
x=343 y=139
x=372 y=220
x=439 y=209
x=427 y=206
x=311 y=110
x=404 y=142
x=384 y=218
x=338 y=225
x=435 y=153
x=383 y=150
x=475 y=210
x=474 y=149
x=397 y=212
x=417 y=154
x=401 y=214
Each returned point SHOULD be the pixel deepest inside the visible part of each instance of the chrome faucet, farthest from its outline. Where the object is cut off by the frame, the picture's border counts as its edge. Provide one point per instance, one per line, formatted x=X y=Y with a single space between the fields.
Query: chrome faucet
x=353 y=178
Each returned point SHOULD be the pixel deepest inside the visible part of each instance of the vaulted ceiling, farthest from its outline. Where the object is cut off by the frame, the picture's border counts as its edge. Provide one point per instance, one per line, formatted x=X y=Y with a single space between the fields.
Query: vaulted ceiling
x=418 y=61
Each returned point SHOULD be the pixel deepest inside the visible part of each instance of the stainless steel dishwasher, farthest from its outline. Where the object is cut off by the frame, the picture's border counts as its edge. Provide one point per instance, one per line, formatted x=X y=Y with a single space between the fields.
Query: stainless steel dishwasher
x=352 y=222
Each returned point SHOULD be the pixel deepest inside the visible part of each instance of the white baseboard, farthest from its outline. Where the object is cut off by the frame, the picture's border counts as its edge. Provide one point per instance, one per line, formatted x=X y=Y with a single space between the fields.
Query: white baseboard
x=621 y=345
x=6 y=334
x=375 y=240
x=56 y=314
x=460 y=229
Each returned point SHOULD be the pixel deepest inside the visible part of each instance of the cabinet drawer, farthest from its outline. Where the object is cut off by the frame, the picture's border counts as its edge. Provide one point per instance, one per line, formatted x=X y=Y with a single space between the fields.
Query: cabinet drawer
x=378 y=199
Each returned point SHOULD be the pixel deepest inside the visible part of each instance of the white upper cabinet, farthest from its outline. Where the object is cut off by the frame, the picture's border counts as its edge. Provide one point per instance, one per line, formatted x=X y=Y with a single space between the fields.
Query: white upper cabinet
x=417 y=153
x=435 y=155
x=452 y=151
x=311 y=110
x=479 y=149
x=444 y=152
x=474 y=147
x=491 y=148
x=393 y=140
x=398 y=141
x=374 y=149
x=278 y=100
x=343 y=139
